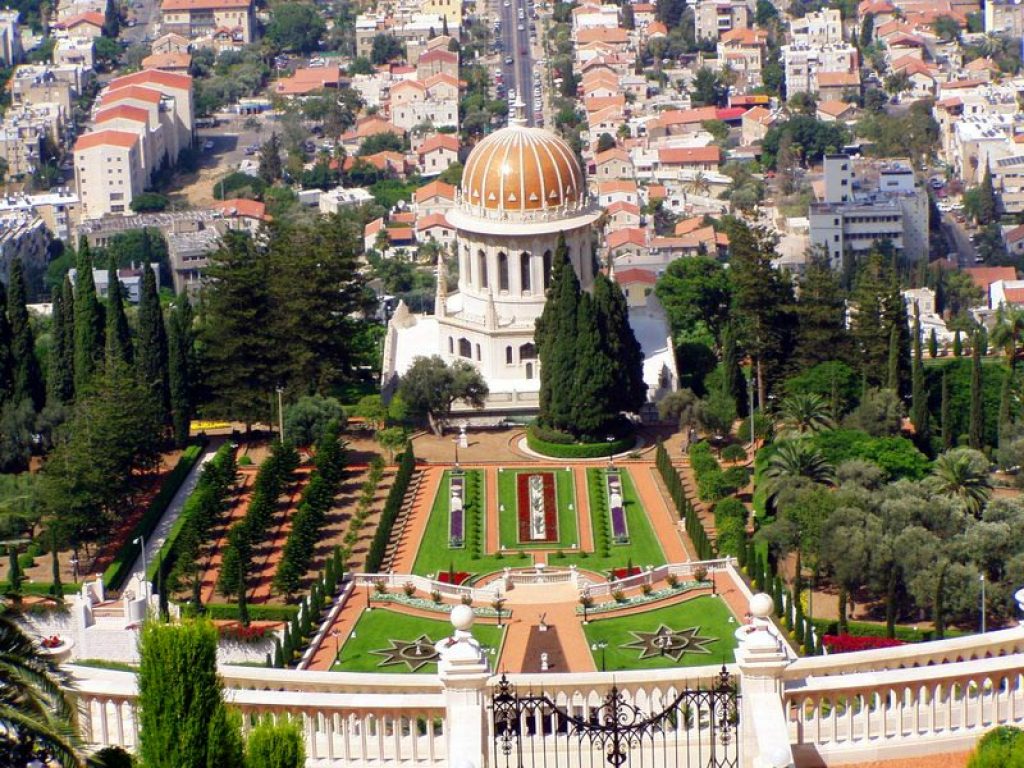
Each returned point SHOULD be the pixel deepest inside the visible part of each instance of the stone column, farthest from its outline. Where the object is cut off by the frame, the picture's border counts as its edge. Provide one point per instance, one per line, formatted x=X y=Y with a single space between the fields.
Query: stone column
x=463 y=670
x=762 y=660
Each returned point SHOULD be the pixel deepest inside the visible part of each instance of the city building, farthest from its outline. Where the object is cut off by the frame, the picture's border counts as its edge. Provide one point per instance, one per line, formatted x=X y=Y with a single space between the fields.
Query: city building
x=10 y=38
x=822 y=27
x=1004 y=17
x=130 y=279
x=25 y=236
x=808 y=68
x=198 y=19
x=713 y=17
x=866 y=204
x=108 y=171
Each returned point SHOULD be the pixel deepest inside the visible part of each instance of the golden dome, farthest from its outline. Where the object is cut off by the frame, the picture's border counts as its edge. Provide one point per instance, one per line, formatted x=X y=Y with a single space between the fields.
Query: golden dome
x=519 y=170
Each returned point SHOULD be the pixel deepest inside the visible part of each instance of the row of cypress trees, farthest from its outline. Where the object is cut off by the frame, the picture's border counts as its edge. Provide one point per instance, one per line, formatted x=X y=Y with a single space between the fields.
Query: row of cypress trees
x=694 y=528
x=591 y=365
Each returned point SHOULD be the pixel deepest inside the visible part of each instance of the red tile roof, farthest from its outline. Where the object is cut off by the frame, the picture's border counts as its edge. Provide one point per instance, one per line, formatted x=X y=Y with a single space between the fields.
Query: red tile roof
x=983 y=277
x=91 y=17
x=153 y=76
x=684 y=155
x=635 y=275
x=439 y=141
x=249 y=209
x=135 y=92
x=122 y=111
x=435 y=189
x=626 y=236
x=121 y=139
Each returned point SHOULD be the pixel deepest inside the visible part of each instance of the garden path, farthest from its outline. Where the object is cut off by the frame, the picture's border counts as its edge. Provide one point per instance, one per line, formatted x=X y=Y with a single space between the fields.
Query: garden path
x=583 y=519
x=491 y=521
x=339 y=631
x=409 y=544
x=560 y=612
x=163 y=528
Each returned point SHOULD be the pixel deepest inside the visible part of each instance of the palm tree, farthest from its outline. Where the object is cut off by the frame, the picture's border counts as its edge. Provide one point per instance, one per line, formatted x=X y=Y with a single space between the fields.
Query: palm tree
x=1008 y=331
x=963 y=474
x=805 y=413
x=698 y=185
x=795 y=459
x=36 y=712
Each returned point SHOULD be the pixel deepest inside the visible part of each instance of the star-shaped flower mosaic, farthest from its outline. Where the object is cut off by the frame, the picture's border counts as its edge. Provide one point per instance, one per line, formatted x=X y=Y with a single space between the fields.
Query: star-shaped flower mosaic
x=413 y=653
x=672 y=643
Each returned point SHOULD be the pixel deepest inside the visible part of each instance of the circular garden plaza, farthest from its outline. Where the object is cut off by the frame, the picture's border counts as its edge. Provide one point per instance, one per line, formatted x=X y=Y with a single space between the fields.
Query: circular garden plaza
x=503 y=606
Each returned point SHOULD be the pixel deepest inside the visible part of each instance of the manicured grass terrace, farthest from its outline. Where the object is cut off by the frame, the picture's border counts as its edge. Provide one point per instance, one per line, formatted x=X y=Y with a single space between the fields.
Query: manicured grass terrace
x=565 y=498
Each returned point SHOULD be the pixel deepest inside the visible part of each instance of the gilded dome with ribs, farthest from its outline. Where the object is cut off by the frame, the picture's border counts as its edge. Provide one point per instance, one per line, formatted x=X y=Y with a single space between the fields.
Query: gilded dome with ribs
x=520 y=169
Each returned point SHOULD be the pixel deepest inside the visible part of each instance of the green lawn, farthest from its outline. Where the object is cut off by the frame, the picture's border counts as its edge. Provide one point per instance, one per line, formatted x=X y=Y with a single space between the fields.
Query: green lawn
x=709 y=614
x=565 y=498
x=377 y=628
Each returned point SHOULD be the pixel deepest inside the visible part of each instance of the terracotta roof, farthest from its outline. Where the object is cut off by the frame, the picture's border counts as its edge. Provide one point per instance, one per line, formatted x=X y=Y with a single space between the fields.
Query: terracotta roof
x=595 y=103
x=657 y=192
x=626 y=236
x=168 y=61
x=203 y=5
x=635 y=275
x=744 y=36
x=757 y=114
x=403 y=217
x=405 y=85
x=1014 y=295
x=689 y=225
x=370 y=126
x=912 y=66
x=957 y=84
x=121 y=139
x=439 y=141
x=874 y=6
x=611 y=154
x=835 y=108
x=904 y=40
x=136 y=92
x=401 y=234
x=615 y=185
x=684 y=155
x=832 y=79
x=730 y=113
x=122 y=112
x=151 y=76
x=1016 y=234
x=614 y=35
x=983 y=277
x=433 y=220
x=656 y=28
x=440 y=77
x=687 y=116
x=982 y=64
x=373 y=227
x=622 y=205
x=249 y=209
x=90 y=17
x=308 y=79
x=435 y=188
x=438 y=54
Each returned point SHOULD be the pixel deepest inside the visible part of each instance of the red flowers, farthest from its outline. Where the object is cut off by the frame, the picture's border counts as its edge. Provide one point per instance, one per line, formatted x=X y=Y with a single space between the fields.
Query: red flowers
x=621 y=573
x=850 y=643
x=459 y=577
x=240 y=633
x=51 y=642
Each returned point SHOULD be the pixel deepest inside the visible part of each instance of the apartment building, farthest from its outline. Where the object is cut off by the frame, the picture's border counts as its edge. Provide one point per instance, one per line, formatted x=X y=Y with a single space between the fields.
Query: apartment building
x=866 y=204
x=71 y=52
x=108 y=172
x=203 y=19
x=1004 y=17
x=824 y=27
x=58 y=209
x=41 y=84
x=21 y=147
x=713 y=17
x=85 y=26
x=803 y=63
x=10 y=38
x=24 y=236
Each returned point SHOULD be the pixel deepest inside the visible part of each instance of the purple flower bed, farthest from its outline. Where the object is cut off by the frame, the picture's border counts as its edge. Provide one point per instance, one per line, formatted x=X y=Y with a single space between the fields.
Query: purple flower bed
x=620 y=531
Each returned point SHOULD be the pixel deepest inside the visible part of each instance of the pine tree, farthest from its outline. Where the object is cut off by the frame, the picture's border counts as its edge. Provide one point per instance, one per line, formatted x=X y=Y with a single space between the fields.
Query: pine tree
x=180 y=343
x=986 y=199
x=734 y=383
x=151 y=360
x=871 y=336
x=118 y=334
x=60 y=380
x=270 y=160
x=977 y=422
x=89 y=321
x=590 y=404
x=6 y=359
x=821 y=317
x=945 y=416
x=27 y=381
x=919 y=395
x=556 y=342
x=629 y=391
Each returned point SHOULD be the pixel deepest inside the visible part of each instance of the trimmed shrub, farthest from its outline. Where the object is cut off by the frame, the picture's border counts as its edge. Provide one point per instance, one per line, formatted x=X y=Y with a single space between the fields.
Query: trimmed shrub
x=576 y=450
x=730 y=508
x=734 y=452
x=393 y=505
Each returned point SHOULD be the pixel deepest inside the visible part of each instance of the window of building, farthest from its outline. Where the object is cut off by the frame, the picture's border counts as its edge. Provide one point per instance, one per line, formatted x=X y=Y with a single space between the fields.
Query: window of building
x=451 y=346
x=528 y=351
x=477 y=351
x=508 y=355
x=547 y=269
x=465 y=348
x=529 y=370
x=482 y=267
x=502 y=272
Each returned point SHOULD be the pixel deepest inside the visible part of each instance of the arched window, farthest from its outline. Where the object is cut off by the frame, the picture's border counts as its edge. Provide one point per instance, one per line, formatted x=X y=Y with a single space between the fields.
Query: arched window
x=529 y=370
x=524 y=271
x=528 y=351
x=481 y=258
x=477 y=351
x=508 y=355
x=464 y=264
x=465 y=348
x=547 y=269
x=451 y=346
x=502 y=272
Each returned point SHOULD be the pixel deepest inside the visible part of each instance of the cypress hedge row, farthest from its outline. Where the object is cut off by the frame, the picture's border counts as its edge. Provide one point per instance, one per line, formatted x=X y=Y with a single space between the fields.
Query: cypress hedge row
x=317 y=498
x=298 y=631
x=393 y=505
x=178 y=560
x=694 y=529
x=120 y=567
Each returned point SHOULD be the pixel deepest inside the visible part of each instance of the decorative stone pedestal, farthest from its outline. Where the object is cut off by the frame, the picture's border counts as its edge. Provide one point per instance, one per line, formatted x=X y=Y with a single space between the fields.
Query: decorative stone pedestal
x=464 y=671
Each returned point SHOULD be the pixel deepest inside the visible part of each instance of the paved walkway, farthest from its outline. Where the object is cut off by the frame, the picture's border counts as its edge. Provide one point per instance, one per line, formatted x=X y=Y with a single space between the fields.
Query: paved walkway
x=558 y=604
x=159 y=535
x=416 y=525
x=339 y=631
x=583 y=509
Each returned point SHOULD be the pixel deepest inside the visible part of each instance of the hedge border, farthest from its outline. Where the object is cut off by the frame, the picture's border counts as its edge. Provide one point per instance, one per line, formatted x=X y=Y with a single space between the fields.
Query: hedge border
x=393 y=505
x=118 y=569
x=229 y=611
x=38 y=588
x=684 y=507
x=578 y=450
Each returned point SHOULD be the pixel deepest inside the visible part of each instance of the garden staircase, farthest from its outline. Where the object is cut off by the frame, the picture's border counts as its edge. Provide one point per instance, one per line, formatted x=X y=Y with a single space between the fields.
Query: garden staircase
x=412 y=493
x=685 y=472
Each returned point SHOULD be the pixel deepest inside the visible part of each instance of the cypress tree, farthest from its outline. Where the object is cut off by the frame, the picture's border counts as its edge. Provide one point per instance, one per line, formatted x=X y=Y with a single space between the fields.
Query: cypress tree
x=945 y=417
x=556 y=342
x=88 y=321
x=919 y=395
x=933 y=345
x=243 y=604
x=56 y=588
x=118 y=335
x=892 y=380
x=981 y=339
x=591 y=407
x=180 y=340
x=60 y=381
x=630 y=391
x=27 y=383
x=821 y=317
x=151 y=360
x=870 y=333
x=1005 y=405
x=958 y=347
x=6 y=360
x=734 y=383
x=14 y=571
x=977 y=422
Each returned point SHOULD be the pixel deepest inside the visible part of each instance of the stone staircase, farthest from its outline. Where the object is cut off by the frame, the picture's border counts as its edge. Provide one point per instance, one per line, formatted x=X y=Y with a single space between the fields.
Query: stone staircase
x=412 y=493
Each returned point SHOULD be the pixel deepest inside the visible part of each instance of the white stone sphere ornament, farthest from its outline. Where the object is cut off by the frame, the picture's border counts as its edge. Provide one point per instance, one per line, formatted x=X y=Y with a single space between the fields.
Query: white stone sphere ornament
x=462 y=618
x=762 y=606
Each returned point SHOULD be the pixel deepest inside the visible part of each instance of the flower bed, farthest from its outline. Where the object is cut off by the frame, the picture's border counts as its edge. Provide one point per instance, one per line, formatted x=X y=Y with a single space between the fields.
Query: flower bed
x=651 y=597
x=241 y=633
x=529 y=499
x=622 y=573
x=456 y=512
x=613 y=486
x=851 y=643
x=429 y=605
x=51 y=642
x=456 y=578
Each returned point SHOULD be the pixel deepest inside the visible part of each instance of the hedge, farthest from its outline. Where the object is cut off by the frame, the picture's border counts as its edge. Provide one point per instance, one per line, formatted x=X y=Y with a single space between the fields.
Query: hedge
x=694 y=528
x=577 y=450
x=229 y=611
x=393 y=505
x=41 y=588
x=119 y=568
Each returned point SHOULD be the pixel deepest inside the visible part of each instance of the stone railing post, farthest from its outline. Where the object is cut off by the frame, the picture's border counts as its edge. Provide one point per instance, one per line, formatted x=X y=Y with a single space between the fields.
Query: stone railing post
x=761 y=659
x=463 y=670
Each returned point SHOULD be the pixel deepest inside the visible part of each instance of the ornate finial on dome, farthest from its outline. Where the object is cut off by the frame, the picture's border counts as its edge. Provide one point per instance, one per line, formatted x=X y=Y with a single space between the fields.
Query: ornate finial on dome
x=441 y=297
x=518 y=117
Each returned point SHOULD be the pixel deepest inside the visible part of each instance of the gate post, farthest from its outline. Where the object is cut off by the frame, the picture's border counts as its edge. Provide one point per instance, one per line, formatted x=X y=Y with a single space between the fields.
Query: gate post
x=764 y=730
x=463 y=670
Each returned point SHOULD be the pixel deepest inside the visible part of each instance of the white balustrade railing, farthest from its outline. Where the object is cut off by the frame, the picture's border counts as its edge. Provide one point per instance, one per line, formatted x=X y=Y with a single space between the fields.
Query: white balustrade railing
x=682 y=571
x=425 y=585
x=947 y=706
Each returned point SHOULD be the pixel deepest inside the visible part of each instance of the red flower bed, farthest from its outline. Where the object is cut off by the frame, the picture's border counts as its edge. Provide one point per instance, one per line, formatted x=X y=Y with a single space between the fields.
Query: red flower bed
x=51 y=642
x=242 y=633
x=460 y=577
x=850 y=643
x=621 y=573
x=550 y=508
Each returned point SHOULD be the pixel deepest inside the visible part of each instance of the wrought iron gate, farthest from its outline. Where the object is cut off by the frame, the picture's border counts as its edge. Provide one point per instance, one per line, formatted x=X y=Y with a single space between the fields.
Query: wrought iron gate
x=698 y=729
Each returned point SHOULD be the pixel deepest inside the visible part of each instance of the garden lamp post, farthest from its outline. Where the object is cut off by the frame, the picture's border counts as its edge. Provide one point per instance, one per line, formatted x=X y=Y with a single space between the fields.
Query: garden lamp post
x=982 y=579
x=280 y=414
x=141 y=541
x=601 y=645
x=337 y=643
x=455 y=442
x=74 y=568
x=611 y=456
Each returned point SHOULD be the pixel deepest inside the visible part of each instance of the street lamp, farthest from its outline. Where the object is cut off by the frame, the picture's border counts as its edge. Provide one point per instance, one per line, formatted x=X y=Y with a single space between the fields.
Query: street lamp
x=336 y=634
x=455 y=442
x=611 y=456
x=280 y=414
x=601 y=645
x=142 y=546
x=982 y=579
